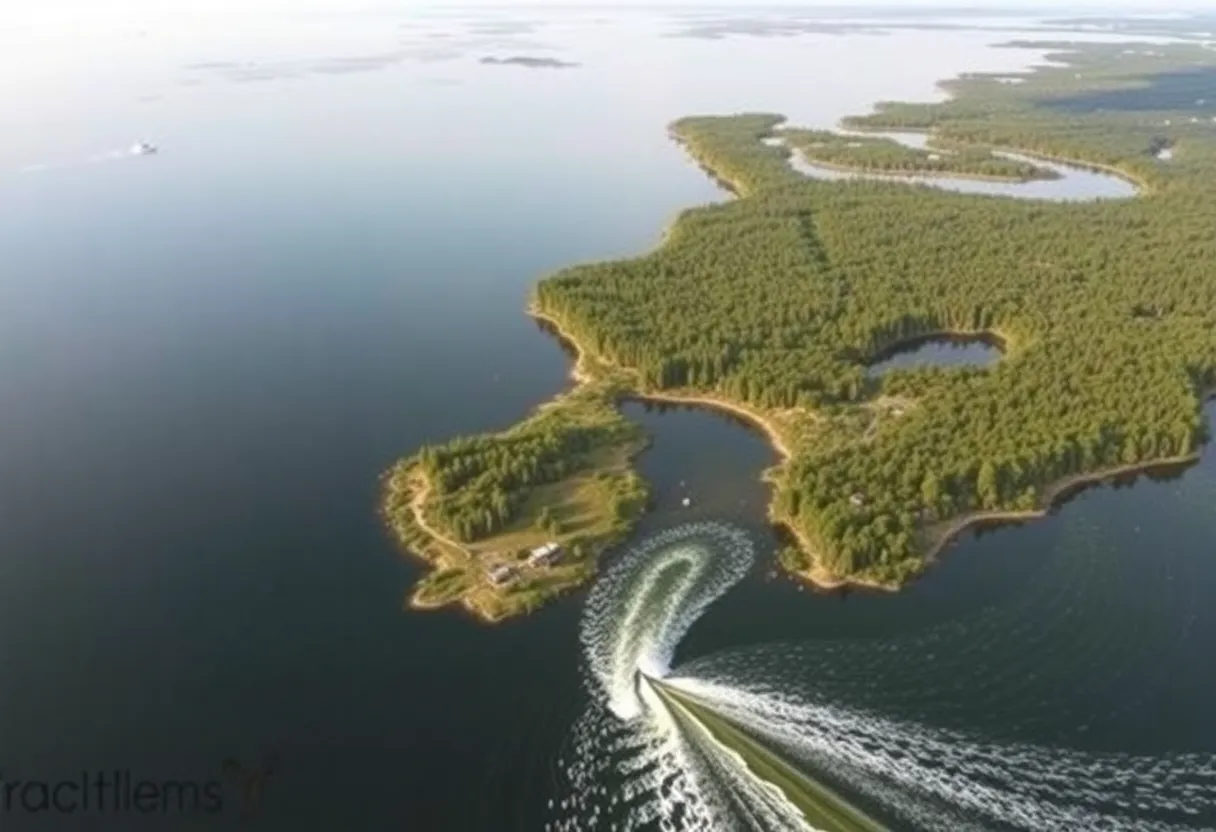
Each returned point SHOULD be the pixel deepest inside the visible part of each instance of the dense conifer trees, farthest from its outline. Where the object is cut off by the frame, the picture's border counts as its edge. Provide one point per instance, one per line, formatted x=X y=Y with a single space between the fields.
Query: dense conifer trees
x=480 y=483
x=883 y=155
x=782 y=298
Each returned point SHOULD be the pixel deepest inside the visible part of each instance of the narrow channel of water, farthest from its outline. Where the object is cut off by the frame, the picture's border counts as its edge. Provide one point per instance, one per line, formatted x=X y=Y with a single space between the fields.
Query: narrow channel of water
x=1073 y=183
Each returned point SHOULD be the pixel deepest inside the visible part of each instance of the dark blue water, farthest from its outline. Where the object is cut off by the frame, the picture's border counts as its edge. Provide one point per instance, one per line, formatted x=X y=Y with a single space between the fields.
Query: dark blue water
x=208 y=358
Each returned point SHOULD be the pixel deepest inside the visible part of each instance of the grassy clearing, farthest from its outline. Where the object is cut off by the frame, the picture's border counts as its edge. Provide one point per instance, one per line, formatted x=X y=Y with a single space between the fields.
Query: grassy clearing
x=588 y=509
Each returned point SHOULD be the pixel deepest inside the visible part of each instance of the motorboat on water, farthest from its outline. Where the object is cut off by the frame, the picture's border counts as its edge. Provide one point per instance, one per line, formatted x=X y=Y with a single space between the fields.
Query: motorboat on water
x=143 y=149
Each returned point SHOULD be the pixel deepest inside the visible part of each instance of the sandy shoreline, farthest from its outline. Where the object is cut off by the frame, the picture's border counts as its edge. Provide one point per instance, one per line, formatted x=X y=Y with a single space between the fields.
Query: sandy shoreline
x=817 y=576
x=715 y=403
x=580 y=375
x=434 y=558
x=1056 y=493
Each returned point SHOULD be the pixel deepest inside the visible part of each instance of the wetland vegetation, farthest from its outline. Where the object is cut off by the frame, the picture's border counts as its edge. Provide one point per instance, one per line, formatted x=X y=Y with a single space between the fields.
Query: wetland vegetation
x=776 y=304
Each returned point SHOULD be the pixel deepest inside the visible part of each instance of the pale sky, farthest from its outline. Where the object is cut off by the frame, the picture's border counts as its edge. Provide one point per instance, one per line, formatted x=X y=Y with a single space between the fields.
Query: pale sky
x=27 y=26
x=29 y=8
x=59 y=58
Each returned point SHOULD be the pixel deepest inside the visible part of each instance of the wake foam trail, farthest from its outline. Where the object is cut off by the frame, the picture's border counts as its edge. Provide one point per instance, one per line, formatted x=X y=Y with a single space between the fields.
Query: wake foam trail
x=639 y=760
x=630 y=764
x=99 y=158
x=908 y=767
x=638 y=611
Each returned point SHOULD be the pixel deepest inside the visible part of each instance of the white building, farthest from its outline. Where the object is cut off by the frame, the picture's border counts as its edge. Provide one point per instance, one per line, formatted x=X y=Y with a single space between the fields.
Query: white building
x=500 y=574
x=544 y=555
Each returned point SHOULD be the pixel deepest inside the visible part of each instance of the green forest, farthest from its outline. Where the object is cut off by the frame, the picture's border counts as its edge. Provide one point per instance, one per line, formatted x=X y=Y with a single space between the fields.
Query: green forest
x=481 y=482
x=781 y=299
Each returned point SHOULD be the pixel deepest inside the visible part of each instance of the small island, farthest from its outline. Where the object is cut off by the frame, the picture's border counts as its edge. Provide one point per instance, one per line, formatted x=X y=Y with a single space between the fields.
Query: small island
x=774 y=306
x=530 y=62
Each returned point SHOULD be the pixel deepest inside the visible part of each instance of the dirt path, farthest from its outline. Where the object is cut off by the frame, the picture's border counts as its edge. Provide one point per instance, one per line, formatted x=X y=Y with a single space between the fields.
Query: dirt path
x=416 y=505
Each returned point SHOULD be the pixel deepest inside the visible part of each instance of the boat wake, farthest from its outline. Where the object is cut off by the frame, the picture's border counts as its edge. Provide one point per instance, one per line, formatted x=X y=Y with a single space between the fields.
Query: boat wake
x=747 y=740
x=140 y=149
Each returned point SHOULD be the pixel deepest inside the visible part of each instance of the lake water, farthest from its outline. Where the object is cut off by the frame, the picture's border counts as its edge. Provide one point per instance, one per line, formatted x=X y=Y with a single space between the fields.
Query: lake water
x=1072 y=183
x=940 y=351
x=209 y=356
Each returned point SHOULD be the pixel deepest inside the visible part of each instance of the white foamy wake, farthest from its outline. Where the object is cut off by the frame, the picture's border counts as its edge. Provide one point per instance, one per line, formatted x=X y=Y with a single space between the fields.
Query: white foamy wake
x=99 y=158
x=913 y=770
x=638 y=611
x=634 y=763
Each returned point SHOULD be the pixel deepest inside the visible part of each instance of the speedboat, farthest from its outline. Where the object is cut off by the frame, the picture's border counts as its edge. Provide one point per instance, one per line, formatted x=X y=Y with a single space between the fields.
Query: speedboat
x=142 y=149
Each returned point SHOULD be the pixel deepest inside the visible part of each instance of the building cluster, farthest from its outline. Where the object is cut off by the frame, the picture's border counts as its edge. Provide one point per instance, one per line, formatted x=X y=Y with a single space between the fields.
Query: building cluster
x=500 y=574
x=546 y=555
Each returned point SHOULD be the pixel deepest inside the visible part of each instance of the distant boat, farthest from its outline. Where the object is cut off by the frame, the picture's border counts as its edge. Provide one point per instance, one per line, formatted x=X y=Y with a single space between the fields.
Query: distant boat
x=143 y=149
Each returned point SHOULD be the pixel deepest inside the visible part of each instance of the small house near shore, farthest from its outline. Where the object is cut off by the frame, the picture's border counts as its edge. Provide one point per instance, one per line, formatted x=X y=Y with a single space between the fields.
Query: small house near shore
x=500 y=574
x=544 y=555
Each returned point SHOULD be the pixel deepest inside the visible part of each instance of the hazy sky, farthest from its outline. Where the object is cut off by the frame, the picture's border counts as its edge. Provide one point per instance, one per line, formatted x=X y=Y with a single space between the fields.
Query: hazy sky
x=27 y=26
x=30 y=8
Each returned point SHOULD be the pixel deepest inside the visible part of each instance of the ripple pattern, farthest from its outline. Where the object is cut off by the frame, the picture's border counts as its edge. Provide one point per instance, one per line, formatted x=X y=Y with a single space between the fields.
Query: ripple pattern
x=882 y=721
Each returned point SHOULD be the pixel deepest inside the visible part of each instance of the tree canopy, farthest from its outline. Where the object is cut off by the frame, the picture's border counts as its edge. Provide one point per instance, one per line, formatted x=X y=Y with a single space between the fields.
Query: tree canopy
x=782 y=298
x=779 y=300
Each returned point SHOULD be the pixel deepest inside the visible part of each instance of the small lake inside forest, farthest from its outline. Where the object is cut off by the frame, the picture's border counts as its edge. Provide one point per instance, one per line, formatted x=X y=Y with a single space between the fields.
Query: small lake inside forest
x=938 y=351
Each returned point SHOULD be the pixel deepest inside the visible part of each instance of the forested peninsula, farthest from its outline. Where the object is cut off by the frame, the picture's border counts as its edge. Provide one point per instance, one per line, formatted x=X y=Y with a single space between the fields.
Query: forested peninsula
x=774 y=305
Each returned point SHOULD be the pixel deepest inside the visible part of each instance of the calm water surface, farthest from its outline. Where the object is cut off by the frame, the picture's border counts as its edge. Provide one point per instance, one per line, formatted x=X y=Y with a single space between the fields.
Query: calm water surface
x=208 y=357
x=1071 y=183
x=939 y=351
